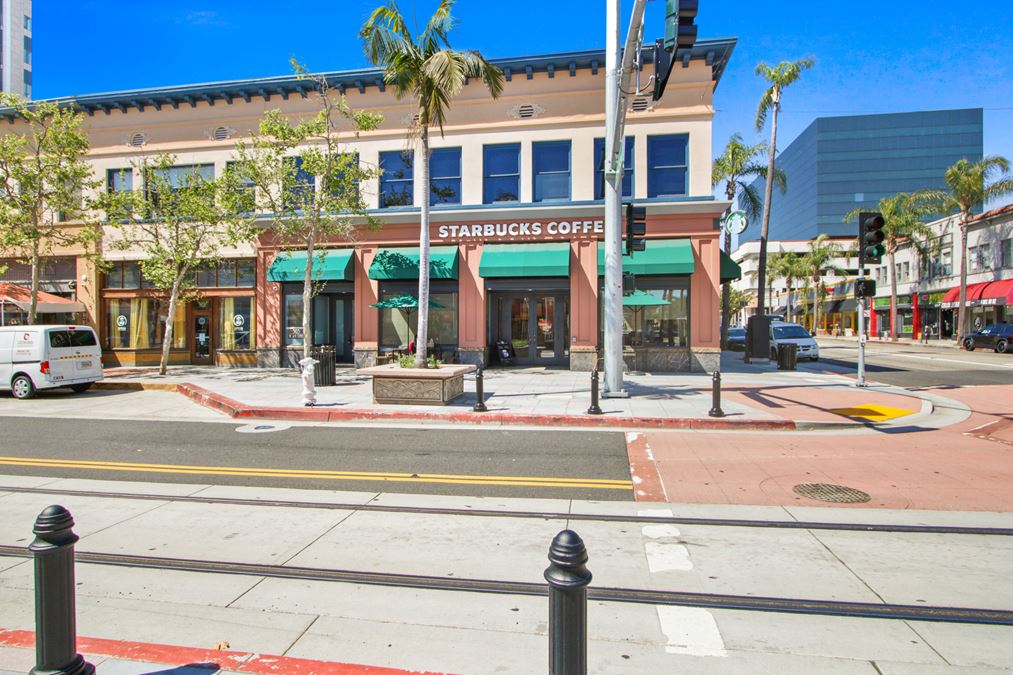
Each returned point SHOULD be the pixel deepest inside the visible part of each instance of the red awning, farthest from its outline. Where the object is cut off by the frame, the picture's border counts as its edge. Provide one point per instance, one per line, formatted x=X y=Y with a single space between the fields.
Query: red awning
x=46 y=303
x=984 y=293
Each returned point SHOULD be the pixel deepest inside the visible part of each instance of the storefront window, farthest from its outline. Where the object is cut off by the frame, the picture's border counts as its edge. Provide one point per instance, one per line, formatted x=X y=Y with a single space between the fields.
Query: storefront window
x=293 y=319
x=235 y=321
x=397 y=326
x=664 y=325
x=139 y=323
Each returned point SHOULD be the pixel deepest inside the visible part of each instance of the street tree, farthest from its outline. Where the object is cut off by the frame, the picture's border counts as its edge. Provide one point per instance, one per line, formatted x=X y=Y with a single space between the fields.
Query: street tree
x=817 y=262
x=779 y=77
x=736 y=168
x=789 y=266
x=738 y=301
x=299 y=174
x=182 y=220
x=902 y=225
x=970 y=184
x=427 y=70
x=44 y=177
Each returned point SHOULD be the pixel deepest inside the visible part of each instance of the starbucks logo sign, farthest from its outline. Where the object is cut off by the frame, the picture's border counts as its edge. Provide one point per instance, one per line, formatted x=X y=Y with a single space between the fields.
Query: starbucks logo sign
x=238 y=320
x=121 y=321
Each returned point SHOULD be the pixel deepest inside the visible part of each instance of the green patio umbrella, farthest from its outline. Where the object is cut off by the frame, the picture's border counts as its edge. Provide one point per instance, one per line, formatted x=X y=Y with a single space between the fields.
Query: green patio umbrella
x=407 y=303
x=637 y=300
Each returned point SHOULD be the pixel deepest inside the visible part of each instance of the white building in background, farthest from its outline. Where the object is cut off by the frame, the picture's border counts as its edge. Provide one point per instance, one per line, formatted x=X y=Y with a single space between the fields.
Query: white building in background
x=16 y=54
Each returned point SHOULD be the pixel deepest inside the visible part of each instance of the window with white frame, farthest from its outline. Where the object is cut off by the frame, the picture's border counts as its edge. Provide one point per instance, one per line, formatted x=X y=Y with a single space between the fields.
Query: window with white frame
x=1006 y=252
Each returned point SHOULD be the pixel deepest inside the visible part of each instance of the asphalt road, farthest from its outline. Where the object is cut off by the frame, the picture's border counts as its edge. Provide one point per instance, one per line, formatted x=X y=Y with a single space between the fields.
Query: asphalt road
x=560 y=464
x=915 y=365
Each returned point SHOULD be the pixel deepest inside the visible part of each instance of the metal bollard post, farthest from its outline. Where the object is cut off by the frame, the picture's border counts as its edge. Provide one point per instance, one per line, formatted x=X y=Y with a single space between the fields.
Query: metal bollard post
x=716 y=410
x=568 y=579
x=595 y=409
x=479 y=392
x=55 y=614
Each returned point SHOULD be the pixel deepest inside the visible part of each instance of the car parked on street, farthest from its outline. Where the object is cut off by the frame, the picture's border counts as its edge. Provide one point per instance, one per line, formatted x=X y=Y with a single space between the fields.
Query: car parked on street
x=47 y=357
x=782 y=332
x=998 y=336
x=737 y=339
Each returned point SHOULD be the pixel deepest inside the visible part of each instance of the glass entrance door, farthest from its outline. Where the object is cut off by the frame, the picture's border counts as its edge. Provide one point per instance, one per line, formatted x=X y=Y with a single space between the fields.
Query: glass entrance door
x=537 y=327
x=201 y=337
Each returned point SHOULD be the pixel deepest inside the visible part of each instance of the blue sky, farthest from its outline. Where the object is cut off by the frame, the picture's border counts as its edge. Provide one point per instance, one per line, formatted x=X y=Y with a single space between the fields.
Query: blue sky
x=885 y=56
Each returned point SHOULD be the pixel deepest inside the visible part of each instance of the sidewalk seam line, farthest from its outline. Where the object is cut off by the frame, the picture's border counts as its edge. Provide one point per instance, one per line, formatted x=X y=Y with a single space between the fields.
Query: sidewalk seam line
x=301 y=635
x=928 y=644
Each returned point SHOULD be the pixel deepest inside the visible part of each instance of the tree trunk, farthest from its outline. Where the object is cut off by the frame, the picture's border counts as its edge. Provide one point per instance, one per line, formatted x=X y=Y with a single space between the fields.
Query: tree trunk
x=726 y=289
x=768 y=192
x=816 y=307
x=163 y=365
x=893 y=296
x=962 y=317
x=34 y=306
x=307 y=298
x=422 y=332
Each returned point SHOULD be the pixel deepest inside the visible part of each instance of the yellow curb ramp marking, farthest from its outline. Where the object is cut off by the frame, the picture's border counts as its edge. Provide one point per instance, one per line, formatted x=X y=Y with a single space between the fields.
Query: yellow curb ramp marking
x=530 y=481
x=873 y=412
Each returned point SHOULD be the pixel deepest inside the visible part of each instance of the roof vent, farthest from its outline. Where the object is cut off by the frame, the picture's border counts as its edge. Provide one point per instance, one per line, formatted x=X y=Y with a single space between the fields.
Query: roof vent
x=526 y=111
x=222 y=133
x=137 y=140
x=640 y=104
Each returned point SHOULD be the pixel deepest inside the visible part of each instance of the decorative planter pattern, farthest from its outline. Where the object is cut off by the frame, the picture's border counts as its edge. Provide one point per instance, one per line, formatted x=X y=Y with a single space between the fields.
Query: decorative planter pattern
x=418 y=386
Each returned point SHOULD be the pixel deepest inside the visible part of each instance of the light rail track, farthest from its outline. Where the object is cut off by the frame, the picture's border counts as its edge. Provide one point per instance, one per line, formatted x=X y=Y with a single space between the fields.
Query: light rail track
x=542 y=515
x=995 y=617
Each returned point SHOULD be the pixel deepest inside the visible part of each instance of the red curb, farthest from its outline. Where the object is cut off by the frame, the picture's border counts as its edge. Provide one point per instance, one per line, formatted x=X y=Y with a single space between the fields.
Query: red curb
x=647 y=484
x=243 y=662
x=239 y=410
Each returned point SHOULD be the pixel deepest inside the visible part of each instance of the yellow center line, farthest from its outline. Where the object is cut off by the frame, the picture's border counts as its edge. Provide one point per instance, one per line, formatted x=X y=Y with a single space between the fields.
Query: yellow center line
x=530 y=481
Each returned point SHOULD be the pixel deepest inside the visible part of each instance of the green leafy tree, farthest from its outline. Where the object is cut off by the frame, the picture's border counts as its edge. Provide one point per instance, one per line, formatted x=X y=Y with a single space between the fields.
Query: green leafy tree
x=738 y=301
x=789 y=266
x=902 y=224
x=779 y=77
x=180 y=221
x=301 y=174
x=816 y=263
x=44 y=176
x=970 y=184
x=736 y=168
x=428 y=71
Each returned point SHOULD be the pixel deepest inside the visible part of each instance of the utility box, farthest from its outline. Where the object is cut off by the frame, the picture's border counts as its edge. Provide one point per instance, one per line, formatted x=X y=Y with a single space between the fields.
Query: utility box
x=758 y=337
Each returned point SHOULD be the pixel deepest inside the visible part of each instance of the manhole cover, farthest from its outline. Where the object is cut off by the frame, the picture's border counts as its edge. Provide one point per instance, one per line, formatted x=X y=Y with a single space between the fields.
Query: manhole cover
x=828 y=492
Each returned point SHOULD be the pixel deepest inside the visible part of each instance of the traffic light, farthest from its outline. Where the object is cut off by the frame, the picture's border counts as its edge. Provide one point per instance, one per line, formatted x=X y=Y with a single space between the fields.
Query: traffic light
x=870 y=238
x=629 y=282
x=636 y=226
x=680 y=33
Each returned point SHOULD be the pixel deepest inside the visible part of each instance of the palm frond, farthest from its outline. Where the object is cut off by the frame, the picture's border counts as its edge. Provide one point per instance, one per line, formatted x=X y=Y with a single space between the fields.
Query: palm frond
x=766 y=103
x=478 y=66
x=750 y=201
x=998 y=189
x=434 y=36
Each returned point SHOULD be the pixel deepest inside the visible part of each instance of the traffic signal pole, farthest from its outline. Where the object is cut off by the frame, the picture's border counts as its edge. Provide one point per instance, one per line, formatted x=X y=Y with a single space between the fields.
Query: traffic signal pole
x=617 y=86
x=860 y=379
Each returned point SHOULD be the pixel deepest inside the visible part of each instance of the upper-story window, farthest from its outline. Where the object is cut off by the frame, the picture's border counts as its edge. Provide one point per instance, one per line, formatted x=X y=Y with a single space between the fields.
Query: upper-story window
x=175 y=178
x=335 y=184
x=550 y=162
x=667 y=162
x=501 y=173
x=28 y=23
x=27 y=50
x=1006 y=252
x=599 y=168
x=980 y=257
x=303 y=185
x=119 y=180
x=445 y=176
x=397 y=180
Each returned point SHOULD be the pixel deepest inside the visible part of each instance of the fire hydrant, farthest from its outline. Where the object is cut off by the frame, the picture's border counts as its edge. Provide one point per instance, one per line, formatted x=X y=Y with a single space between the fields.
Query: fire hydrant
x=309 y=389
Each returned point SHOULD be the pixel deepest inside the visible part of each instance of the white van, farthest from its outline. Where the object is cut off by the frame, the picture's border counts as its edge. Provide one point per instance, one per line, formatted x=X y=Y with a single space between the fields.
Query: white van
x=46 y=357
x=782 y=332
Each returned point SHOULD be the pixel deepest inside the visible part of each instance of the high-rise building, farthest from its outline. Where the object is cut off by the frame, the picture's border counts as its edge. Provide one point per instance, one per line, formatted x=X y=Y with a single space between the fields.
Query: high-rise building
x=841 y=163
x=16 y=54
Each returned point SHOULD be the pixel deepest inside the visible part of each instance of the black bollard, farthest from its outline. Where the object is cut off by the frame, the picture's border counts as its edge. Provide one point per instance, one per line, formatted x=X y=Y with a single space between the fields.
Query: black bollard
x=479 y=392
x=568 y=579
x=595 y=409
x=55 y=614
x=716 y=410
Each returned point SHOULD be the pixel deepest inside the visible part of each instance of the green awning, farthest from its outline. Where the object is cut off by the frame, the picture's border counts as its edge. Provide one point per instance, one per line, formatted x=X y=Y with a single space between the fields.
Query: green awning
x=730 y=270
x=291 y=266
x=661 y=256
x=525 y=260
x=403 y=263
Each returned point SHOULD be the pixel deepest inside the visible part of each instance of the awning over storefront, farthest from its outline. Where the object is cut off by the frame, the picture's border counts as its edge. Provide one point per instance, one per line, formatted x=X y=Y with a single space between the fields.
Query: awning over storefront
x=46 y=303
x=403 y=263
x=985 y=293
x=661 y=256
x=291 y=266
x=525 y=260
x=730 y=270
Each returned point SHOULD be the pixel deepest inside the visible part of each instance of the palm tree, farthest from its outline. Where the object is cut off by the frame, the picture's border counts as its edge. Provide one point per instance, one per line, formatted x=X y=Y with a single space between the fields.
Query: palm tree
x=428 y=71
x=970 y=185
x=789 y=266
x=815 y=263
x=736 y=167
x=902 y=224
x=780 y=78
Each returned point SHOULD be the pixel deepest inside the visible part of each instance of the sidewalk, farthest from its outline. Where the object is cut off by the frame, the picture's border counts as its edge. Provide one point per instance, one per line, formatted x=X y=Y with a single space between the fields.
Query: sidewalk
x=753 y=397
x=901 y=342
x=466 y=632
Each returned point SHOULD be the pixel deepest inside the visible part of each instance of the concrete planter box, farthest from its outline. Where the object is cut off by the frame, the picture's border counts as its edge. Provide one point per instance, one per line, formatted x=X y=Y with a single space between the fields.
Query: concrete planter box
x=418 y=386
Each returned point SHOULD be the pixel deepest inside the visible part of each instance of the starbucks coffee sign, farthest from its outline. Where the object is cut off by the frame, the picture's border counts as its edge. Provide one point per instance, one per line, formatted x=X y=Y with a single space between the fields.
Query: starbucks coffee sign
x=520 y=230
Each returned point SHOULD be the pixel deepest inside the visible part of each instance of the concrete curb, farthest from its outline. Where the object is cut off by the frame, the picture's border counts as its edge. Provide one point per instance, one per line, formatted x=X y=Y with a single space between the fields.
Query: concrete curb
x=135 y=386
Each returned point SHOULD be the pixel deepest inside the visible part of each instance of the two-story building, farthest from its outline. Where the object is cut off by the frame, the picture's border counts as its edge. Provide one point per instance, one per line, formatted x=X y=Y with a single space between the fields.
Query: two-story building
x=516 y=223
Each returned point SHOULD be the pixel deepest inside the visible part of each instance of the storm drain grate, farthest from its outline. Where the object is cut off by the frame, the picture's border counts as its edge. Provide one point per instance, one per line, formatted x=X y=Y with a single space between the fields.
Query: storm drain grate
x=828 y=492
